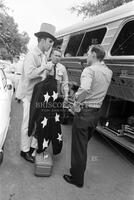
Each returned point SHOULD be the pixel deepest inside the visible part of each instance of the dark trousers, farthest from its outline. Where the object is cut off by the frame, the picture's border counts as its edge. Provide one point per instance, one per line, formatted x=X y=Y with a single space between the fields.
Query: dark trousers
x=83 y=126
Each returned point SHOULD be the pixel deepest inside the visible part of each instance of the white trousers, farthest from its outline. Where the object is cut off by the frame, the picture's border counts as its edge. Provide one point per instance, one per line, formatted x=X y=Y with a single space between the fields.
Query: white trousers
x=26 y=142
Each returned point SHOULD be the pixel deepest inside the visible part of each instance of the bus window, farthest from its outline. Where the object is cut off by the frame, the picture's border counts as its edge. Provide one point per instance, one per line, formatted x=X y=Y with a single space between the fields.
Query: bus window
x=124 y=44
x=92 y=37
x=74 y=44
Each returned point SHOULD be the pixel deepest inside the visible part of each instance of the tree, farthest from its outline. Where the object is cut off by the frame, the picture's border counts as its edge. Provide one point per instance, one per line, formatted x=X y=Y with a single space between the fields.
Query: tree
x=10 y=38
x=3 y=7
x=88 y=9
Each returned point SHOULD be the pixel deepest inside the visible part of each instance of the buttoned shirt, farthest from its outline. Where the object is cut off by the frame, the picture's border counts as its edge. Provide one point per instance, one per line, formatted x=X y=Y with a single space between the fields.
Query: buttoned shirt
x=95 y=80
x=32 y=72
x=62 y=77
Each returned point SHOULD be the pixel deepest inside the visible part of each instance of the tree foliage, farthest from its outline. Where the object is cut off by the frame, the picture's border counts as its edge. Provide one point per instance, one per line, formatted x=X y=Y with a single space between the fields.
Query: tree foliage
x=10 y=38
x=88 y=9
x=3 y=7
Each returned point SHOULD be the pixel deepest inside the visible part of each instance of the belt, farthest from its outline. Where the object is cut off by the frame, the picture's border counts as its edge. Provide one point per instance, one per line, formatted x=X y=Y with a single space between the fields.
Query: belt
x=85 y=107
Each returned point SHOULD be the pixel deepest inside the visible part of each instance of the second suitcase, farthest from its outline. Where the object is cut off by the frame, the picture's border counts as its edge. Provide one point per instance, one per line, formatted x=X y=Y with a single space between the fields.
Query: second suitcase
x=43 y=164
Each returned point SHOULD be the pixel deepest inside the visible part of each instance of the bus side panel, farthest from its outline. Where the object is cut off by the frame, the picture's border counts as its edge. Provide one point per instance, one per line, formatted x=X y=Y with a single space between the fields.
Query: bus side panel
x=122 y=84
x=74 y=68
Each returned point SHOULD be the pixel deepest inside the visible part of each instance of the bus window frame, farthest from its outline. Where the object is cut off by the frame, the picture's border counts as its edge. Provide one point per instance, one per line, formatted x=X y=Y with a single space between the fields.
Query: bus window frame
x=64 y=43
x=84 y=32
x=70 y=37
x=91 y=30
x=122 y=24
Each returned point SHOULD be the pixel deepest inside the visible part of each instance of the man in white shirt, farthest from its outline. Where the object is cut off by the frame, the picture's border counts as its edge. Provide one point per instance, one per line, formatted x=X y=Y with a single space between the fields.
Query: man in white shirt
x=61 y=73
x=31 y=75
x=94 y=82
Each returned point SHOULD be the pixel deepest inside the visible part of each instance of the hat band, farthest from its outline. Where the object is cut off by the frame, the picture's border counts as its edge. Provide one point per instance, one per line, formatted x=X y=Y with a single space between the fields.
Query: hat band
x=45 y=34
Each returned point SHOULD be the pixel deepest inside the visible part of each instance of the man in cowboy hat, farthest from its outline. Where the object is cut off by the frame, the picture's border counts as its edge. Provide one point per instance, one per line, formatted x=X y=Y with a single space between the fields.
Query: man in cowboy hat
x=32 y=73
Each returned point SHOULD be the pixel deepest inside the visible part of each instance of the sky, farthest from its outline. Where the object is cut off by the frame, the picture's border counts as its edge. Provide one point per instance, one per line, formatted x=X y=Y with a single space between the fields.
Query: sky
x=29 y=14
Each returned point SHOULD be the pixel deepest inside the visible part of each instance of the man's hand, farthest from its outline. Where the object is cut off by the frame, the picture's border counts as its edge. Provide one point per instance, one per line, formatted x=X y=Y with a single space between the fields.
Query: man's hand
x=76 y=107
x=65 y=103
x=49 y=66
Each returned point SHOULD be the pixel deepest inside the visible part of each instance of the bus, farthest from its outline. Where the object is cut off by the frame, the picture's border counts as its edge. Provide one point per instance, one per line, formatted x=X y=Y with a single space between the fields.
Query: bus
x=114 y=30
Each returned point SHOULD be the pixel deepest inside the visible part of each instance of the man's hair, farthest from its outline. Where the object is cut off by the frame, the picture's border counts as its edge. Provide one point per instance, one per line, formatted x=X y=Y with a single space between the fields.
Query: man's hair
x=99 y=50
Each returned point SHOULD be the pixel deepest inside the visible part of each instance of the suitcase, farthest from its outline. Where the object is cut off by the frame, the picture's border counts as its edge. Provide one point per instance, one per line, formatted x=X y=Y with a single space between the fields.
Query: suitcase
x=43 y=164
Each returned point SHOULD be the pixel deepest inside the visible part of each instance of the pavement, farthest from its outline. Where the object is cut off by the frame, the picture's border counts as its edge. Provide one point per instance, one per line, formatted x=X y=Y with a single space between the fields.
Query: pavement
x=109 y=174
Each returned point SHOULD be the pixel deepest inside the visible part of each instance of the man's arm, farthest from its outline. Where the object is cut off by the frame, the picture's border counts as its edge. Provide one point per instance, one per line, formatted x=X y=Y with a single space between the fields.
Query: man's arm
x=31 y=69
x=85 y=85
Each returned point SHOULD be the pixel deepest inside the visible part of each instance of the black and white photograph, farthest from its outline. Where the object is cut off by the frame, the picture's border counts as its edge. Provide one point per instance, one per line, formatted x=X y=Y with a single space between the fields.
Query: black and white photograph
x=66 y=100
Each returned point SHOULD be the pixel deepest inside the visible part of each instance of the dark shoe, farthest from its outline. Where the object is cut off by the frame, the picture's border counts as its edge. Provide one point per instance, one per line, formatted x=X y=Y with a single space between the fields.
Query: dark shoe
x=27 y=156
x=70 y=180
x=31 y=150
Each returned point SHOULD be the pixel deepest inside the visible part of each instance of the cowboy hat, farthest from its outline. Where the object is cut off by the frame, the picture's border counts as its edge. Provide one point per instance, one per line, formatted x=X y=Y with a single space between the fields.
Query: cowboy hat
x=46 y=30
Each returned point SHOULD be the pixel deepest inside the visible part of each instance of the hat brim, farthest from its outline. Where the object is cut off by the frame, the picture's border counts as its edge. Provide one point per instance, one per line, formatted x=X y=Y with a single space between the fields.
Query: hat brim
x=45 y=34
